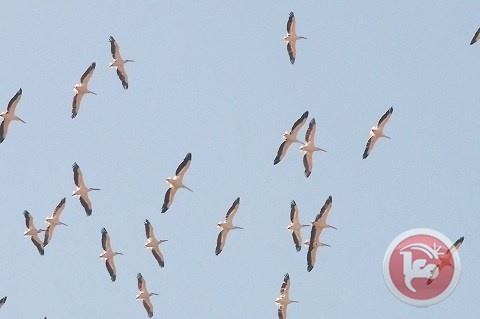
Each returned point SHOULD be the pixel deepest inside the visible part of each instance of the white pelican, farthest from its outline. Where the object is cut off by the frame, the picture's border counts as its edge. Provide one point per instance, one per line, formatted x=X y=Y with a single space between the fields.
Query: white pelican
x=176 y=182
x=291 y=38
x=153 y=243
x=227 y=226
x=82 y=190
x=108 y=255
x=290 y=137
x=33 y=232
x=82 y=88
x=53 y=221
x=295 y=226
x=319 y=224
x=377 y=131
x=144 y=295
x=475 y=37
x=2 y=301
x=445 y=260
x=118 y=62
x=309 y=147
x=283 y=301
x=9 y=115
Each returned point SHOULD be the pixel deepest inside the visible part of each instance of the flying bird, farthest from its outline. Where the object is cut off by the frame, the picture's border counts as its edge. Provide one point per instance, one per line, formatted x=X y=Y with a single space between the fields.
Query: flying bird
x=108 y=255
x=153 y=243
x=309 y=147
x=319 y=224
x=377 y=131
x=81 y=89
x=82 y=190
x=176 y=182
x=291 y=38
x=283 y=300
x=2 y=301
x=33 y=232
x=118 y=62
x=295 y=226
x=290 y=137
x=53 y=221
x=226 y=226
x=144 y=295
x=9 y=115
x=475 y=37
x=445 y=260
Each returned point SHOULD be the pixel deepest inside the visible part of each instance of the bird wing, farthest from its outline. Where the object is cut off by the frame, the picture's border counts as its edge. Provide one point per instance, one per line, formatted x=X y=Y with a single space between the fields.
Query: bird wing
x=297 y=239
x=87 y=205
x=14 y=101
x=105 y=240
x=281 y=151
x=299 y=123
x=293 y=212
x=311 y=255
x=370 y=143
x=475 y=37
x=325 y=210
x=58 y=210
x=122 y=75
x=36 y=241
x=454 y=247
x=292 y=50
x=222 y=237
x=77 y=175
x=308 y=163
x=169 y=196
x=310 y=134
x=148 y=307
x=140 y=282
x=282 y=311
x=3 y=130
x=384 y=119
x=87 y=74
x=2 y=301
x=233 y=209
x=28 y=218
x=48 y=234
x=111 y=268
x=77 y=98
x=184 y=165
x=114 y=48
x=158 y=256
x=285 y=285
x=148 y=229
x=434 y=274
x=291 y=23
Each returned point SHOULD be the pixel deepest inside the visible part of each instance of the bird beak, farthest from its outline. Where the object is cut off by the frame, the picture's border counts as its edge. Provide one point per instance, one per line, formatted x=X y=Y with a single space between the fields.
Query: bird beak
x=188 y=188
x=95 y=189
x=332 y=227
x=21 y=120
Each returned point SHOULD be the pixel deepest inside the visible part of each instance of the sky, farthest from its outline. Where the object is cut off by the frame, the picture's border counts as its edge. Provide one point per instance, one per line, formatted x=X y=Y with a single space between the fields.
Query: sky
x=214 y=79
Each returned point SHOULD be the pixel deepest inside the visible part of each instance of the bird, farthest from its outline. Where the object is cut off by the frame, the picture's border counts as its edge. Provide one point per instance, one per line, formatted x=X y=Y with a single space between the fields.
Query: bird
x=9 y=115
x=144 y=295
x=283 y=300
x=118 y=62
x=82 y=88
x=476 y=37
x=309 y=147
x=153 y=243
x=291 y=38
x=82 y=190
x=445 y=260
x=33 y=232
x=319 y=224
x=290 y=138
x=376 y=132
x=2 y=301
x=227 y=226
x=295 y=226
x=53 y=221
x=176 y=182
x=108 y=255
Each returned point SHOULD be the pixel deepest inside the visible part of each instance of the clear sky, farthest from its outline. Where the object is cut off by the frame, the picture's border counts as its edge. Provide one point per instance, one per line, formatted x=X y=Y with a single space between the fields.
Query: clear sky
x=214 y=79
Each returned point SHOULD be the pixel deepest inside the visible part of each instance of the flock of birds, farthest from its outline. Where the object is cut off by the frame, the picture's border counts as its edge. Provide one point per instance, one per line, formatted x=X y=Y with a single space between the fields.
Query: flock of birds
x=176 y=182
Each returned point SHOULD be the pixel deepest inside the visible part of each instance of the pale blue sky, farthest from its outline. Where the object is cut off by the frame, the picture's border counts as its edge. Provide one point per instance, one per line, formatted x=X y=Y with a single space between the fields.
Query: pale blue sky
x=214 y=79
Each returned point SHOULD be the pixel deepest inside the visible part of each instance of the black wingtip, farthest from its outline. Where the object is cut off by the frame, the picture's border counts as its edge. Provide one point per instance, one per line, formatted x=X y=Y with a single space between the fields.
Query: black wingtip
x=299 y=248
x=164 y=209
x=276 y=161
x=309 y=268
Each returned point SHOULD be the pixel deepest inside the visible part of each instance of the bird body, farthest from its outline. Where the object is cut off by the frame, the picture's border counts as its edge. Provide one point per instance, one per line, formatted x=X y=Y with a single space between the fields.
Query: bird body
x=108 y=255
x=53 y=221
x=176 y=182
x=80 y=89
x=376 y=132
x=33 y=232
x=118 y=62
x=82 y=190
x=291 y=38
x=226 y=226
x=290 y=137
x=309 y=147
x=295 y=226
x=445 y=260
x=144 y=295
x=284 y=300
x=153 y=243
